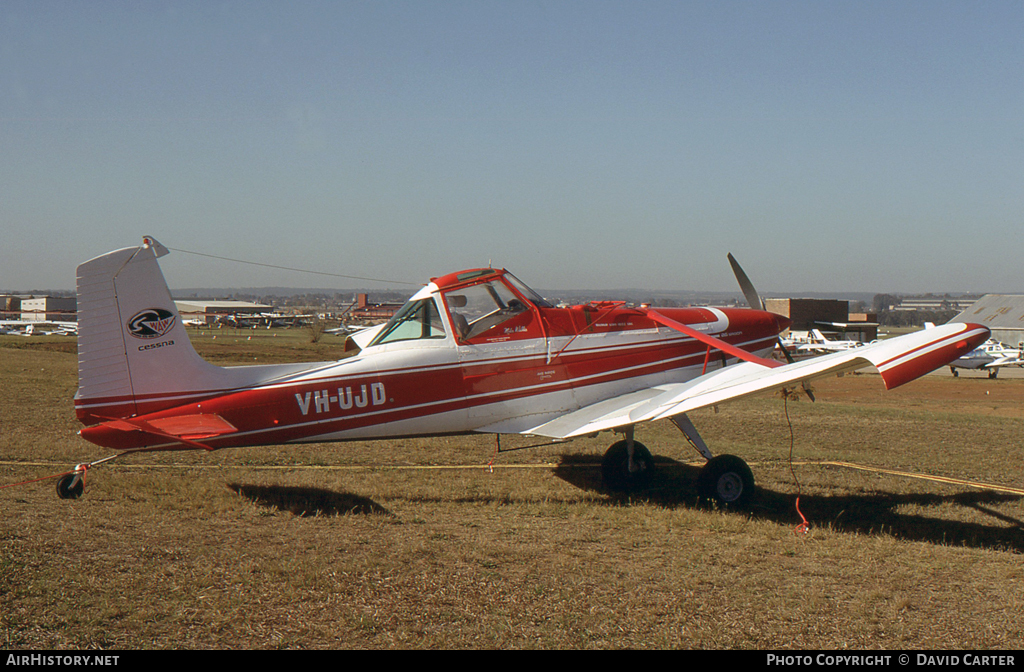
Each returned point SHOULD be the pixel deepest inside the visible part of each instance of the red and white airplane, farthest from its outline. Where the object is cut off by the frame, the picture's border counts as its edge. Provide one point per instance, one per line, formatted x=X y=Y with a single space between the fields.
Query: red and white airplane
x=476 y=351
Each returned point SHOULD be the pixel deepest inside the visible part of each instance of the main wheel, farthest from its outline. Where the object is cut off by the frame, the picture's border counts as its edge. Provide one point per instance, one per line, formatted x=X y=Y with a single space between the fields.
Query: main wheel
x=65 y=489
x=615 y=468
x=727 y=481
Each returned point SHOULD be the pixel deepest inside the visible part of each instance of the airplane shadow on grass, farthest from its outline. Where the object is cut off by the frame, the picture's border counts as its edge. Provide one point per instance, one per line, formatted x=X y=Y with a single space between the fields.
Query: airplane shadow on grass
x=675 y=485
x=306 y=502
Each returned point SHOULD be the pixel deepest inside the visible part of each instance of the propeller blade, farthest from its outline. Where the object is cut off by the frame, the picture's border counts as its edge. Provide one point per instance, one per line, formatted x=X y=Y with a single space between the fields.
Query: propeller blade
x=753 y=298
x=755 y=301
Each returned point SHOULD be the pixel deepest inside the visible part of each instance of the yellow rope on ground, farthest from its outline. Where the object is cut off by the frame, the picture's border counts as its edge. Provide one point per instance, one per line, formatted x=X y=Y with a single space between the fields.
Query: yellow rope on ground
x=542 y=465
x=925 y=477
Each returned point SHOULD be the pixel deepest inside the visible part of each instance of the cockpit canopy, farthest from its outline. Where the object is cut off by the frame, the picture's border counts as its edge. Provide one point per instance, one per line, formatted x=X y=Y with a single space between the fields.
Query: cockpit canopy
x=475 y=302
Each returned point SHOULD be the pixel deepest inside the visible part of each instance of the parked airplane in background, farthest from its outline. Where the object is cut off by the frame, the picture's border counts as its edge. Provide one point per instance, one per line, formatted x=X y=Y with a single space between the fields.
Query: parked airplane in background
x=818 y=342
x=38 y=328
x=471 y=352
x=265 y=320
x=991 y=356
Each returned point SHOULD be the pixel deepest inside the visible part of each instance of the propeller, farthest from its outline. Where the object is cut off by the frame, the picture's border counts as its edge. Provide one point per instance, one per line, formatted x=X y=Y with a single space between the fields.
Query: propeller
x=757 y=303
x=753 y=298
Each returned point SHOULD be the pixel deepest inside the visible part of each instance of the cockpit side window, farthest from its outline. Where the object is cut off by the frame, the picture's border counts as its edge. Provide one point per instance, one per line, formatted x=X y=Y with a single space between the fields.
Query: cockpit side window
x=415 y=320
x=479 y=308
x=523 y=289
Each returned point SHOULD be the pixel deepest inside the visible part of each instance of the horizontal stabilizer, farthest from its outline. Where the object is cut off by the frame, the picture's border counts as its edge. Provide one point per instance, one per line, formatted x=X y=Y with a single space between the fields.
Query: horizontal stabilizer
x=186 y=429
x=200 y=426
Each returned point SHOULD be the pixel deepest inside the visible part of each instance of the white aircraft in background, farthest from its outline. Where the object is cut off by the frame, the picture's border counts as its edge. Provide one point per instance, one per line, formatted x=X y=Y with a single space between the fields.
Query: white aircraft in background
x=991 y=356
x=820 y=343
x=38 y=328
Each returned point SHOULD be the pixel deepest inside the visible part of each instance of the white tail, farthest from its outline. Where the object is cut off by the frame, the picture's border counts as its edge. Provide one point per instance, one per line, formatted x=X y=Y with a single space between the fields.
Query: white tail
x=134 y=356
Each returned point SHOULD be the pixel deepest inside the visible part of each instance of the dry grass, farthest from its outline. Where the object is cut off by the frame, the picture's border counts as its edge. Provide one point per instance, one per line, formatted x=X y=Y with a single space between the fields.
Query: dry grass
x=368 y=545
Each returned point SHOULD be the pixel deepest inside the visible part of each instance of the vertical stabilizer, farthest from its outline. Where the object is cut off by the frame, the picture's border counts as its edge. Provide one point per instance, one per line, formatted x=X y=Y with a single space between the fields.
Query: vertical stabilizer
x=134 y=356
x=132 y=346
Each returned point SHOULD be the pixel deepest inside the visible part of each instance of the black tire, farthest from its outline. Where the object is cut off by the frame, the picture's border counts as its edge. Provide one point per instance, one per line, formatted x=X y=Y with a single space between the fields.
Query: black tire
x=66 y=491
x=727 y=481
x=615 y=467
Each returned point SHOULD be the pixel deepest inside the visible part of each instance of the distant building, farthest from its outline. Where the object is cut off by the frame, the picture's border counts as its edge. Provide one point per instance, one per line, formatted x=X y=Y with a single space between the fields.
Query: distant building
x=373 y=312
x=1002 y=313
x=9 y=305
x=49 y=308
x=831 y=316
x=934 y=303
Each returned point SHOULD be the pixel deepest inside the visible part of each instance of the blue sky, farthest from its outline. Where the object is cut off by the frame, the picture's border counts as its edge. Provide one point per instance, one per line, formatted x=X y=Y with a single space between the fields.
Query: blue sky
x=831 y=146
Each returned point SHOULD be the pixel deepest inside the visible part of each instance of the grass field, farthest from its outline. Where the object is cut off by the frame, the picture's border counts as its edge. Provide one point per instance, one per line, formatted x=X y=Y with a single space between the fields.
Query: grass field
x=416 y=543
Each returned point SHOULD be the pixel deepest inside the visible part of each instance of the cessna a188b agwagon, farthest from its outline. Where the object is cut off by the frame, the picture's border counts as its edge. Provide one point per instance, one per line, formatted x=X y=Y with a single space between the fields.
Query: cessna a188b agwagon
x=476 y=351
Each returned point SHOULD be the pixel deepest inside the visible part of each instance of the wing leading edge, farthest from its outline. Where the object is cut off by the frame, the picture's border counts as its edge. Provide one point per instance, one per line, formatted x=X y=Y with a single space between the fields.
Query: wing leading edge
x=899 y=360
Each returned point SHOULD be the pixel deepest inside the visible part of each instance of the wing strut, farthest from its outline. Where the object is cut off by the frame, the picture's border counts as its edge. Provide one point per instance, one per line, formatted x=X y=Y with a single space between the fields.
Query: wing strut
x=685 y=426
x=727 y=348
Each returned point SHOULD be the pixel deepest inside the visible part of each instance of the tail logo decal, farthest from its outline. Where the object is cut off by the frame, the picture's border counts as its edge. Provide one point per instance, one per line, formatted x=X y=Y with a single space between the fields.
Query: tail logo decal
x=151 y=323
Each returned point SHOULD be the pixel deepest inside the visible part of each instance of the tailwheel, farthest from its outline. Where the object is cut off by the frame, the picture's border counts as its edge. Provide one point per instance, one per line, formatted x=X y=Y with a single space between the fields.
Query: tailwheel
x=619 y=473
x=727 y=481
x=71 y=486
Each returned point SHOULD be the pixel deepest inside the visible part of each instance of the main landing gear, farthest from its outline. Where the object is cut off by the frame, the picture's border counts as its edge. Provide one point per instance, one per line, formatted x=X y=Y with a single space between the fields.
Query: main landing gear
x=725 y=480
x=993 y=373
x=627 y=465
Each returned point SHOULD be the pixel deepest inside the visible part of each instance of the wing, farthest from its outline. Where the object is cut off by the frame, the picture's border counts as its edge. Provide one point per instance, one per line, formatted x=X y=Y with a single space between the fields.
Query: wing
x=1004 y=361
x=899 y=360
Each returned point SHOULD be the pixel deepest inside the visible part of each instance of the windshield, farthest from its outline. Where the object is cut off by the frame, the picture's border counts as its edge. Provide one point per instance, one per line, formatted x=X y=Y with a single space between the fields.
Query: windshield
x=415 y=320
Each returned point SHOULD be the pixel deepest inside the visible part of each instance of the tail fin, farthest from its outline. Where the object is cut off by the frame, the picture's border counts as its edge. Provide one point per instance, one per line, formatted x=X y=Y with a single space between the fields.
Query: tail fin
x=134 y=356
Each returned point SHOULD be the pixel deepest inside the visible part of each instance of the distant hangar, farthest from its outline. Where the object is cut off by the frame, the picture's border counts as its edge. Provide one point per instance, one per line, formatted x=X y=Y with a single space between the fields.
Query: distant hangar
x=1002 y=313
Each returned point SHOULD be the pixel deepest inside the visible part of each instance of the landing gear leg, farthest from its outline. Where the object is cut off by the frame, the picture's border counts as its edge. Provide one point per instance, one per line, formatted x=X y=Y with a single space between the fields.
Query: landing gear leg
x=726 y=479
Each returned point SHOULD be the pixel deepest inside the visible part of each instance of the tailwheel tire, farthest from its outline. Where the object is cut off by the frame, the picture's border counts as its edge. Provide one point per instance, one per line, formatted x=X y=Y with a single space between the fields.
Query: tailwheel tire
x=68 y=488
x=727 y=481
x=615 y=468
